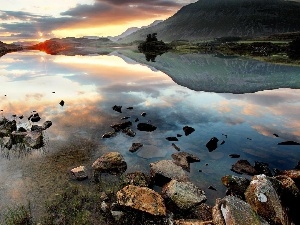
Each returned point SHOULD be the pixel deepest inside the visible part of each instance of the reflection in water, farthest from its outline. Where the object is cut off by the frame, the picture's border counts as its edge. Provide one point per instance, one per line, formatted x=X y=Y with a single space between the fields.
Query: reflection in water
x=91 y=85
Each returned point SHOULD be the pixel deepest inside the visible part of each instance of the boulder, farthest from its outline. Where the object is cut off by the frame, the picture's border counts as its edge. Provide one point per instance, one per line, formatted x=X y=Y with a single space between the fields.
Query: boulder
x=263 y=168
x=294 y=174
x=135 y=146
x=188 y=130
x=172 y=138
x=146 y=127
x=184 y=159
x=137 y=179
x=47 y=124
x=34 y=139
x=212 y=144
x=109 y=135
x=111 y=162
x=121 y=126
x=143 y=199
x=234 y=211
x=243 y=166
x=79 y=173
x=236 y=185
x=202 y=212
x=129 y=132
x=117 y=108
x=263 y=198
x=184 y=195
x=166 y=170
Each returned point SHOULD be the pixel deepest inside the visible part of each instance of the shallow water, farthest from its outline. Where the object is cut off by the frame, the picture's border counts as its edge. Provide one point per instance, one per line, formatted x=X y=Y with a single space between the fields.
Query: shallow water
x=91 y=85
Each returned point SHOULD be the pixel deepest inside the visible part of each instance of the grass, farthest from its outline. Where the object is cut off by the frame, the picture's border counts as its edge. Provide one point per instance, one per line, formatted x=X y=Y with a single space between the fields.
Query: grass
x=20 y=215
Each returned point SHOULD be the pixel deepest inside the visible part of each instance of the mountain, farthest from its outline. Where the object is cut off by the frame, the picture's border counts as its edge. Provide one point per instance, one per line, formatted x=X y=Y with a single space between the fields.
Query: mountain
x=220 y=18
x=6 y=48
x=219 y=74
x=132 y=30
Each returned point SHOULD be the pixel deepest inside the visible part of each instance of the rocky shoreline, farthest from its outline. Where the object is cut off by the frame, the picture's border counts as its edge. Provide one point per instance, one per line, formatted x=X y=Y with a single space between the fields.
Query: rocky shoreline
x=7 y=48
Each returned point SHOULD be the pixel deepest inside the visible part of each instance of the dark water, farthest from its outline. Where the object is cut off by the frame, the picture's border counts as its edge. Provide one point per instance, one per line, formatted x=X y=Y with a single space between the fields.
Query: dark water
x=91 y=85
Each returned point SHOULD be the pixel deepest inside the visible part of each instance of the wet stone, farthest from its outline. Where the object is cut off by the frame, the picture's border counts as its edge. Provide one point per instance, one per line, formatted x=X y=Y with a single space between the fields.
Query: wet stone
x=179 y=135
x=125 y=118
x=263 y=168
x=192 y=222
x=117 y=108
x=202 y=212
x=111 y=162
x=146 y=127
x=137 y=179
x=212 y=188
x=234 y=156
x=121 y=126
x=143 y=114
x=184 y=159
x=212 y=144
x=176 y=147
x=129 y=132
x=135 y=147
x=62 y=102
x=35 y=118
x=243 y=166
x=236 y=185
x=188 y=130
x=289 y=143
x=46 y=125
x=34 y=139
x=109 y=135
x=79 y=173
x=172 y=138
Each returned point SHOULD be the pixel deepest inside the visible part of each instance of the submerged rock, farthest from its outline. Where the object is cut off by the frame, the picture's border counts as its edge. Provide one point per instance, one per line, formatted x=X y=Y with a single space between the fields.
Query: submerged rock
x=135 y=147
x=184 y=159
x=121 y=126
x=234 y=156
x=111 y=162
x=243 y=166
x=143 y=114
x=264 y=200
x=109 y=135
x=172 y=138
x=79 y=173
x=46 y=125
x=62 y=102
x=234 y=211
x=188 y=130
x=143 y=199
x=34 y=139
x=137 y=179
x=35 y=117
x=289 y=143
x=212 y=144
x=146 y=127
x=129 y=132
x=184 y=195
x=166 y=170
x=117 y=108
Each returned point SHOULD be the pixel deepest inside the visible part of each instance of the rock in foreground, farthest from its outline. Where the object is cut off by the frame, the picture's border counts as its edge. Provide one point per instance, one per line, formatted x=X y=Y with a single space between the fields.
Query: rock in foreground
x=111 y=162
x=143 y=199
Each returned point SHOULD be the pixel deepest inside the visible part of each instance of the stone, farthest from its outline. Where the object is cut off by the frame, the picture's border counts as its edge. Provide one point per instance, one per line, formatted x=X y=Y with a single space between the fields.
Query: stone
x=236 y=185
x=109 y=134
x=243 y=166
x=192 y=222
x=188 y=130
x=35 y=117
x=234 y=211
x=202 y=212
x=166 y=170
x=7 y=142
x=146 y=127
x=264 y=200
x=117 y=215
x=121 y=126
x=117 y=108
x=212 y=188
x=135 y=147
x=34 y=139
x=212 y=144
x=111 y=162
x=175 y=146
x=143 y=114
x=62 y=102
x=184 y=195
x=143 y=199
x=47 y=124
x=294 y=174
x=125 y=118
x=137 y=179
x=104 y=207
x=79 y=173
x=184 y=159
x=289 y=143
x=172 y=138
x=234 y=156
x=129 y=132
x=36 y=128
x=263 y=168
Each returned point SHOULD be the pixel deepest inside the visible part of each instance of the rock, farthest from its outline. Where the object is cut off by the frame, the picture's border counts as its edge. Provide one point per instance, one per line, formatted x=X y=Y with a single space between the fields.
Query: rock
x=111 y=162
x=212 y=188
x=176 y=147
x=135 y=147
x=212 y=144
x=62 y=102
x=192 y=222
x=36 y=128
x=289 y=143
x=34 y=139
x=79 y=173
x=109 y=135
x=184 y=159
x=243 y=166
x=234 y=156
x=276 y=135
x=117 y=108
x=222 y=143
x=137 y=179
x=129 y=132
x=165 y=170
x=298 y=166
x=121 y=126
x=35 y=118
x=179 y=135
x=136 y=120
x=294 y=174
x=263 y=168
x=143 y=199
x=202 y=212
x=143 y=114
x=21 y=117
x=146 y=127
x=172 y=138
x=184 y=195
x=22 y=129
x=104 y=207
x=234 y=211
x=125 y=118
x=47 y=124
x=7 y=142
x=264 y=200
x=130 y=108
x=117 y=215
x=236 y=185
x=188 y=130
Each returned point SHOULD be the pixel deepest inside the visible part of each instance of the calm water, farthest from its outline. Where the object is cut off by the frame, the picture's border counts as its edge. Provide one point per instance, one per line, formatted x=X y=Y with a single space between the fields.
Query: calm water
x=91 y=85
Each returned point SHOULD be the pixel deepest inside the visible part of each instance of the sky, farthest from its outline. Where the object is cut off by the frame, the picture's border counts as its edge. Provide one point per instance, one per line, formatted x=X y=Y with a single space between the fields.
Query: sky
x=41 y=20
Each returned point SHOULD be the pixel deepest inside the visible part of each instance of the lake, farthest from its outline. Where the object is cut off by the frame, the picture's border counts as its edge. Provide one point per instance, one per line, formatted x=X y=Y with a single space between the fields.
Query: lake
x=240 y=101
